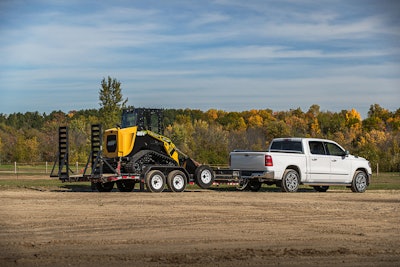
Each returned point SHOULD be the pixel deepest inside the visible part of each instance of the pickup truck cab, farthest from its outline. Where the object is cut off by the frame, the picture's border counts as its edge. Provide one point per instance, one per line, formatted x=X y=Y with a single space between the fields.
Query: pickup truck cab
x=290 y=162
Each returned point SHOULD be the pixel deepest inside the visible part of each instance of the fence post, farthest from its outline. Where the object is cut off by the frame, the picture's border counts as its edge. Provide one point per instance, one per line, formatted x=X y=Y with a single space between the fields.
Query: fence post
x=77 y=167
x=377 y=169
x=15 y=167
x=46 y=167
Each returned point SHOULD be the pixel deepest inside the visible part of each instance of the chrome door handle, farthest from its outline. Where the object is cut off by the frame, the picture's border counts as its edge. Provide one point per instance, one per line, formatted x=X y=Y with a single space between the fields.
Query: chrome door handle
x=314 y=159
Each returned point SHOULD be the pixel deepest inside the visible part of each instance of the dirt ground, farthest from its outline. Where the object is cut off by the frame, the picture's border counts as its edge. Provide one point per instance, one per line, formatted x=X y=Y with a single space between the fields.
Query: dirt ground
x=199 y=228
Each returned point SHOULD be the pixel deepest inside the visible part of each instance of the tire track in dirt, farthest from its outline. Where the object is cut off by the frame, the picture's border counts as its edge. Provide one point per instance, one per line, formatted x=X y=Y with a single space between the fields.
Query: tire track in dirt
x=208 y=228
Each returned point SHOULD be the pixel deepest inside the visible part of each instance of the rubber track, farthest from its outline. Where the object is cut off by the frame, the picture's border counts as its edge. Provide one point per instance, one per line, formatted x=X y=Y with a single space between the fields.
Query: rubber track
x=157 y=158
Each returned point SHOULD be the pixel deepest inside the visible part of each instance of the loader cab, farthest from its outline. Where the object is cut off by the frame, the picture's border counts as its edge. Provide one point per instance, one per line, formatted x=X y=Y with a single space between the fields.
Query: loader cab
x=122 y=141
x=143 y=118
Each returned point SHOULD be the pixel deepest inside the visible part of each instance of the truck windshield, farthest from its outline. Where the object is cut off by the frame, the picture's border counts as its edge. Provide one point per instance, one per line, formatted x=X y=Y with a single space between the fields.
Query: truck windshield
x=286 y=146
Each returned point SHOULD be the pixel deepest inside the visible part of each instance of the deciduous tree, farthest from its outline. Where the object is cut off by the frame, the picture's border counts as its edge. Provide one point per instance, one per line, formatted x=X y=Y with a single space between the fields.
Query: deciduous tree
x=111 y=102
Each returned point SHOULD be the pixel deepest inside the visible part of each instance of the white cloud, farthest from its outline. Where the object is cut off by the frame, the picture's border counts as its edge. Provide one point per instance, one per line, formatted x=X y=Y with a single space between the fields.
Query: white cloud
x=269 y=52
x=209 y=18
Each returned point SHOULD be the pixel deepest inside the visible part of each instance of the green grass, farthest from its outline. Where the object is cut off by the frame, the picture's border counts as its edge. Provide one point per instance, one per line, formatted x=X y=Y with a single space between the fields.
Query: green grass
x=384 y=181
x=32 y=169
x=33 y=166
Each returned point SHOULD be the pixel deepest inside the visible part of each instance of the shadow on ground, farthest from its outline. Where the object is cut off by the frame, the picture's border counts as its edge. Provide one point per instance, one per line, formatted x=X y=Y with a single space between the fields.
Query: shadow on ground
x=191 y=188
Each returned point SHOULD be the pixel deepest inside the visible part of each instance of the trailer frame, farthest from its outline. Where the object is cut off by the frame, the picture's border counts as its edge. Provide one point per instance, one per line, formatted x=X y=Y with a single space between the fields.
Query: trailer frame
x=95 y=162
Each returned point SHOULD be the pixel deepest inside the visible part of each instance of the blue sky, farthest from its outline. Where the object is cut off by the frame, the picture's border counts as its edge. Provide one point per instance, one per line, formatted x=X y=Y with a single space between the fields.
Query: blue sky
x=232 y=55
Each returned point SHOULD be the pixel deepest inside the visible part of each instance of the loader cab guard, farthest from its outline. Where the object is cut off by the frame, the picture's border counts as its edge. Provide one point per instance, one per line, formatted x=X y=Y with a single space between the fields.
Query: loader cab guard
x=143 y=118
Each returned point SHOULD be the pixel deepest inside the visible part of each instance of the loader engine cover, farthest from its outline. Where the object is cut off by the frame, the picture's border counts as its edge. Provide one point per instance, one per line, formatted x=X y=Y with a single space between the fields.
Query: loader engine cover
x=119 y=142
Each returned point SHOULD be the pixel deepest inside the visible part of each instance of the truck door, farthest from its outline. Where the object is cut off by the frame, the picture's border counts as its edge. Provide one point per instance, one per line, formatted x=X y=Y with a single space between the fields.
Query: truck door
x=340 y=163
x=319 y=162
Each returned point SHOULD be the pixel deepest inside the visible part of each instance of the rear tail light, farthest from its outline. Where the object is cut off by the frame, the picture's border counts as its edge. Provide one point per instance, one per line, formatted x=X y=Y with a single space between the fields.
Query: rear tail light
x=268 y=161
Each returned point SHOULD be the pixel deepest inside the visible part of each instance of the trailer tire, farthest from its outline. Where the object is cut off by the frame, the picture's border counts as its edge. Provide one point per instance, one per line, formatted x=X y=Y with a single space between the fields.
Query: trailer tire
x=176 y=181
x=204 y=176
x=125 y=185
x=155 y=181
x=290 y=181
x=106 y=187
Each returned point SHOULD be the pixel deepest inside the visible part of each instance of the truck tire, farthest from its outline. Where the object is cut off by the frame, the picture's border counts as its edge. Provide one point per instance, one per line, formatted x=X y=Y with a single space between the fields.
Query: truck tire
x=254 y=186
x=125 y=185
x=176 y=181
x=204 y=176
x=106 y=187
x=155 y=181
x=290 y=181
x=360 y=182
x=321 y=188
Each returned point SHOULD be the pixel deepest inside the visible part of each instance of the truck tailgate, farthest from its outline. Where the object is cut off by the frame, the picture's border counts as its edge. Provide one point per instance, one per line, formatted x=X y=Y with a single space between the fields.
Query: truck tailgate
x=248 y=160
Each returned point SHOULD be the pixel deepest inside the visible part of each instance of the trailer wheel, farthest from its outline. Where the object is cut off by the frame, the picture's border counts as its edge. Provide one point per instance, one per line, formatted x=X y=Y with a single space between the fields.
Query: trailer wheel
x=125 y=185
x=176 y=181
x=243 y=184
x=290 y=181
x=204 y=176
x=360 y=182
x=155 y=181
x=106 y=187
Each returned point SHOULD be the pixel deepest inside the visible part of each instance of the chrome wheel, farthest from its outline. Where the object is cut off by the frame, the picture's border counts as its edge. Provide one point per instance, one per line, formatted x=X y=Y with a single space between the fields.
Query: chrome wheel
x=360 y=182
x=290 y=181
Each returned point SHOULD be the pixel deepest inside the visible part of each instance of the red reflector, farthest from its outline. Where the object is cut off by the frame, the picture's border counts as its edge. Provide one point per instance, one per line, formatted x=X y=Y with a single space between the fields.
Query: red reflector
x=268 y=161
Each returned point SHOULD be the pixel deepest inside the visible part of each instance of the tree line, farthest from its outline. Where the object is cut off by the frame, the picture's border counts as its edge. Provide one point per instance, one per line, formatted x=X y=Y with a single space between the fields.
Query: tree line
x=209 y=136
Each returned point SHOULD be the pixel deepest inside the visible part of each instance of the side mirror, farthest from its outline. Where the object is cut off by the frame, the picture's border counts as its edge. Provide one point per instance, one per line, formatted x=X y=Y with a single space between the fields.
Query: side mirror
x=346 y=153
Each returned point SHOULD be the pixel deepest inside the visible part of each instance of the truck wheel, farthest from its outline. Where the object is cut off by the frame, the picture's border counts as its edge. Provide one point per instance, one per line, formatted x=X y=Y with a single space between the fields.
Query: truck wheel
x=290 y=181
x=360 y=182
x=204 y=176
x=254 y=185
x=106 y=187
x=125 y=185
x=176 y=181
x=321 y=188
x=155 y=181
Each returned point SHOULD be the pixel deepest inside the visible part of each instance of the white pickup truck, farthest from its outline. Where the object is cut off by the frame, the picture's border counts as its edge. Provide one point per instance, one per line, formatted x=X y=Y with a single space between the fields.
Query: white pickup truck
x=290 y=162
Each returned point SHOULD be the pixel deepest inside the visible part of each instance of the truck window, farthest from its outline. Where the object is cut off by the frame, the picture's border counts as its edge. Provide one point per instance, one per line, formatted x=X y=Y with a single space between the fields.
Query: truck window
x=334 y=150
x=317 y=148
x=287 y=146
